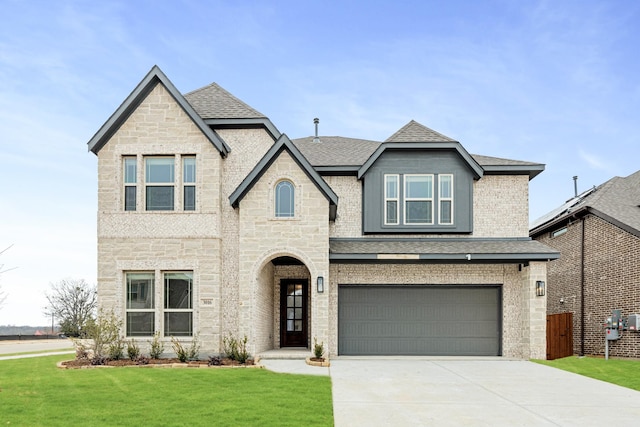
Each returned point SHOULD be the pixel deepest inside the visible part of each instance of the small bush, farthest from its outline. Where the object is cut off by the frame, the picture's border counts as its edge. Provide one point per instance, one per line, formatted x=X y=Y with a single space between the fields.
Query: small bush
x=235 y=349
x=133 y=351
x=142 y=360
x=186 y=354
x=104 y=330
x=99 y=360
x=318 y=349
x=215 y=361
x=115 y=349
x=156 y=347
x=81 y=351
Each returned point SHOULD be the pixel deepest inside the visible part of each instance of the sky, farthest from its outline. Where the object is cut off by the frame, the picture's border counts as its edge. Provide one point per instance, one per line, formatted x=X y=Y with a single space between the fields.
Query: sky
x=553 y=82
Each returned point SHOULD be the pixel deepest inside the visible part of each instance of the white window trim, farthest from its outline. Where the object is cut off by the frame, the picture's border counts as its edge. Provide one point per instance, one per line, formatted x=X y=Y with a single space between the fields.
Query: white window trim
x=191 y=310
x=126 y=184
x=140 y=310
x=184 y=184
x=175 y=184
x=416 y=199
x=294 y=206
x=392 y=199
x=445 y=199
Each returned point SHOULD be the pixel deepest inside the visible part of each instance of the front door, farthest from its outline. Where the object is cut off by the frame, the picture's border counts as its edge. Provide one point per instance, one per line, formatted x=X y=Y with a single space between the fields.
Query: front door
x=293 y=313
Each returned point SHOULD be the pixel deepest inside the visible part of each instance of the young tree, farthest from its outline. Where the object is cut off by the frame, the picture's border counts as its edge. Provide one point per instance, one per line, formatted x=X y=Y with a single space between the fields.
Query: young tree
x=73 y=303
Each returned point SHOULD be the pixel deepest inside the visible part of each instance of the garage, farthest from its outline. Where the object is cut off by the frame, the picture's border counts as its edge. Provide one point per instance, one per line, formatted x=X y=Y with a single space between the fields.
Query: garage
x=456 y=320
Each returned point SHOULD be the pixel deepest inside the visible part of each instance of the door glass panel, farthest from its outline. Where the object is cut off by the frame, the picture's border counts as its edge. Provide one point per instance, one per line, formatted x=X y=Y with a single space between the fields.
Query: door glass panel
x=290 y=313
x=298 y=314
x=289 y=325
x=298 y=301
x=291 y=301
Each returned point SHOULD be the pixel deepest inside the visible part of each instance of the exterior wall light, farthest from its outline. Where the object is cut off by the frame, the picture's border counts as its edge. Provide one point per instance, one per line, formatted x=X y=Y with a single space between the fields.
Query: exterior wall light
x=320 y=284
x=540 y=288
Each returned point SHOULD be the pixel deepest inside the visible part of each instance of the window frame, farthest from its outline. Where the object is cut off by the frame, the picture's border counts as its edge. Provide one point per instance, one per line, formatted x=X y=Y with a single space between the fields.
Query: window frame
x=189 y=182
x=291 y=213
x=408 y=199
x=166 y=310
x=388 y=199
x=449 y=199
x=134 y=310
x=129 y=182
x=165 y=184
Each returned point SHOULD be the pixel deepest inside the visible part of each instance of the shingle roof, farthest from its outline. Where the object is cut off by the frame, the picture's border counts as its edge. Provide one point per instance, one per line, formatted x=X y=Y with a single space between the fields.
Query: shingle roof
x=336 y=150
x=213 y=102
x=416 y=132
x=617 y=200
x=462 y=249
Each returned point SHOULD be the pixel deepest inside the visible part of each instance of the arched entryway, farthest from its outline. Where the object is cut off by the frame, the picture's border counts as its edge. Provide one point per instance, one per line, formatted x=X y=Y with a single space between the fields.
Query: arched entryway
x=282 y=313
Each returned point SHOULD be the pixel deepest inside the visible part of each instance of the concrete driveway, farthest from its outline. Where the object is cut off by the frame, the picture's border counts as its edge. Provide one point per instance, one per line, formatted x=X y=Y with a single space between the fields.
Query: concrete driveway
x=461 y=392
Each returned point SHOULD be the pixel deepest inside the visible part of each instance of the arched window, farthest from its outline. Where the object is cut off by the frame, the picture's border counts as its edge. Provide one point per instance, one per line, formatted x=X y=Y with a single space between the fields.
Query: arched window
x=284 y=199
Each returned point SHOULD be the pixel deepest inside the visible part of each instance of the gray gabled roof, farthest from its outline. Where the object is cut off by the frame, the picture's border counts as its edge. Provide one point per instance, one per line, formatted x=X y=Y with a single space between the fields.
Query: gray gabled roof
x=154 y=77
x=284 y=144
x=336 y=150
x=213 y=102
x=465 y=250
x=416 y=132
x=616 y=201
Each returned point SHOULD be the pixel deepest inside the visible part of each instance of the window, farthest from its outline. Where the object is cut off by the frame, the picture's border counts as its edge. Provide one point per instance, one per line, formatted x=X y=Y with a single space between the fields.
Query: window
x=418 y=199
x=284 y=200
x=159 y=179
x=189 y=181
x=391 y=205
x=130 y=167
x=178 y=304
x=559 y=232
x=140 y=304
x=445 y=196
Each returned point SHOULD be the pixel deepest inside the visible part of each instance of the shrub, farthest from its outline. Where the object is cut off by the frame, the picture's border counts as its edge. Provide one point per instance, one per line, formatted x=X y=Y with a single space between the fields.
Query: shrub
x=115 y=349
x=81 y=350
x=185 y=354
x=142 y=360
x=133 y=351
x=318 y=349
x=235 y=349
x=104 y=330
x=215 y=361
x=99 y=360
x=156 y=347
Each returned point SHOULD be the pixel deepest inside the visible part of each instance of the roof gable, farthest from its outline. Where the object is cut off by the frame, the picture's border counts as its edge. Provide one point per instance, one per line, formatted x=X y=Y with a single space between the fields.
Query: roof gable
x=284 y=143
x=416 y=132
x=214 y=102
x=154 y=77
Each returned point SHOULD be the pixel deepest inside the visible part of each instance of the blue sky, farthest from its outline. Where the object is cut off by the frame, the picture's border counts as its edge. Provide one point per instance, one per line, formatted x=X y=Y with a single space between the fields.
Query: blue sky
x=544 y=81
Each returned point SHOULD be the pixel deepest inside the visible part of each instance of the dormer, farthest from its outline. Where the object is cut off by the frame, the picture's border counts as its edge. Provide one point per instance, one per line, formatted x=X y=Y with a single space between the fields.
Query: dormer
x=419 y=181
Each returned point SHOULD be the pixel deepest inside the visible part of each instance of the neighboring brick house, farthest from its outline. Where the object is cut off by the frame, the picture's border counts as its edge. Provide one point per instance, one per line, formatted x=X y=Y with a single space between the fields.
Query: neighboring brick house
x=211 y=222
x=598 y=235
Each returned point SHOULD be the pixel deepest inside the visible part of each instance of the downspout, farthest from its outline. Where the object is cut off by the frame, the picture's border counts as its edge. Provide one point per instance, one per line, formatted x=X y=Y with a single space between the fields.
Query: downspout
x=582 y=289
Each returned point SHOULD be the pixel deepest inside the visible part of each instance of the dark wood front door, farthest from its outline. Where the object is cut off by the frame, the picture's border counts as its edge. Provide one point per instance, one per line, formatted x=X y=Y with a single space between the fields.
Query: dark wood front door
x=293 y=313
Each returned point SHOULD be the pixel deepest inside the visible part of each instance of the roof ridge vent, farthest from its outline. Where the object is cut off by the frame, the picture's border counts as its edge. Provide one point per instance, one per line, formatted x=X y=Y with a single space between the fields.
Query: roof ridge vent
x=316 y=121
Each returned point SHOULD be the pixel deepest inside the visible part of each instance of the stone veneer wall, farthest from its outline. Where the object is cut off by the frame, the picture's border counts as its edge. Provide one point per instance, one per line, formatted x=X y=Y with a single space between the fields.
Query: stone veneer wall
x=161 y=241
x=523 y=334
x=612 y=268
x=264 y=237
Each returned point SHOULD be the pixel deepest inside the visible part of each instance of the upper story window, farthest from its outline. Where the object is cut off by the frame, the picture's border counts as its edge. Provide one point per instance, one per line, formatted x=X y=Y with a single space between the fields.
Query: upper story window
x=130 y=166
x=285 y=200
x=391 y=199
x=189 y=183
x=159 y=183
x=445 y=196
x=410 y=199
x=418 y=199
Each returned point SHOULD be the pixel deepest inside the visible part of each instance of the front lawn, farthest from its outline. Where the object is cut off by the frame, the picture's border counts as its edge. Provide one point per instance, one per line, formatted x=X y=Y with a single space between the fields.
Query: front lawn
x=622 y=372
x=34 y=392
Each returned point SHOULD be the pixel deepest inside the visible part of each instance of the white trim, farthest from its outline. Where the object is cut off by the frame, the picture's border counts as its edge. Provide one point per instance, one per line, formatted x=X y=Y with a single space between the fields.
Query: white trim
x=445 y=199
x=392 y=199
x=417 y=199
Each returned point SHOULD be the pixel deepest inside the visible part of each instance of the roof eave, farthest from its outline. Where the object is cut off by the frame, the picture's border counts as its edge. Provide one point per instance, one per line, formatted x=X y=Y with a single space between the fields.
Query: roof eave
x=129 y=105
x=531 y=170
x=473 y=164
x=243 y=123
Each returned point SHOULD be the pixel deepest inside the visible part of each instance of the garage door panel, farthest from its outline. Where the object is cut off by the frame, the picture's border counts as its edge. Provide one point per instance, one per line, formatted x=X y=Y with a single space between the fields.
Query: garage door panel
x=419 y=320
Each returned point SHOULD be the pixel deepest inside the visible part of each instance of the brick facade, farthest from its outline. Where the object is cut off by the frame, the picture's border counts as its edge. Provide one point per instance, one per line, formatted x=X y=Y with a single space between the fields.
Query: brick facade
x=611 y=271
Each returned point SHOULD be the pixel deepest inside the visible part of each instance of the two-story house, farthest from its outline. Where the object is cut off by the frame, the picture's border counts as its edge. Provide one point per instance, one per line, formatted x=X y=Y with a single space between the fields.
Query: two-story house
x=212 y=222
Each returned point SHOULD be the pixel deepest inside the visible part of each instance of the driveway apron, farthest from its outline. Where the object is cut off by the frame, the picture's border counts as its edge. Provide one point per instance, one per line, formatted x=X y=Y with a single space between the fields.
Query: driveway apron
x=411 y=392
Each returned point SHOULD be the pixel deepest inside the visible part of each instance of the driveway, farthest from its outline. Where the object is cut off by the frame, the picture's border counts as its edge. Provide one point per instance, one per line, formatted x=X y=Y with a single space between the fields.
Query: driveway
x=463 y=392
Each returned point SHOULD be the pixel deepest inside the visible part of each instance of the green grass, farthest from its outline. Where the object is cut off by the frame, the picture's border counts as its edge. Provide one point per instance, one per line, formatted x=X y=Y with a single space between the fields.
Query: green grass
x=625 y=373
x=34 y=392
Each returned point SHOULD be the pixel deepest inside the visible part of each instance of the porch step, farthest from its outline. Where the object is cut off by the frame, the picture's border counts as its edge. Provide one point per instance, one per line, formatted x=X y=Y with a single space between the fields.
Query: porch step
x=293 y=353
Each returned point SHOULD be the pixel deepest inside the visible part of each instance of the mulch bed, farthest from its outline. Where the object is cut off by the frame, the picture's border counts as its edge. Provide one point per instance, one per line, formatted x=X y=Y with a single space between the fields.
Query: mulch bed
x=79 y=363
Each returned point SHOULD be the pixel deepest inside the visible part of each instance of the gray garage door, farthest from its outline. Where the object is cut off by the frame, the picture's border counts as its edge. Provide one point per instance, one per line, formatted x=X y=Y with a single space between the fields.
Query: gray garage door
x=419 y=320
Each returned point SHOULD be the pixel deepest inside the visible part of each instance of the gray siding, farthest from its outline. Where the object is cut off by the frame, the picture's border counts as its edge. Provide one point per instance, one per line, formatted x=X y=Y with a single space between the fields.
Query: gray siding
x=418 y=162
x=419 y=320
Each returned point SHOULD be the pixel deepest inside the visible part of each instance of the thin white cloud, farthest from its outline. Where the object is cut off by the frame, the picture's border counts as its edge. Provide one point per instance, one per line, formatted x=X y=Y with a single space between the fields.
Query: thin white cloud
x=595 y=161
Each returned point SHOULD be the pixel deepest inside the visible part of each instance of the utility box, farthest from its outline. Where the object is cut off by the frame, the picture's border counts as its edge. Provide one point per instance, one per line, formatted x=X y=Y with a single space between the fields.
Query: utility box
x=633 y=322
x=612 y=334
